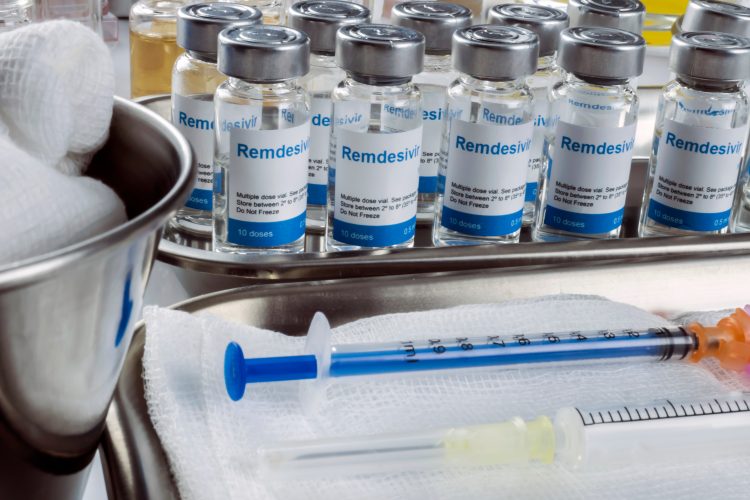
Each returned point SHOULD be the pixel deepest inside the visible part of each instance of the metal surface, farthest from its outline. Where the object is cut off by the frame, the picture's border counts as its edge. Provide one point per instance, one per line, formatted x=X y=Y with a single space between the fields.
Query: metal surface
x=380 y=51
x=711 y=56
x=601 y=53
x=708 y=15
x=435 y=20
x=199 y=25
x=264 y=53
x=628 y=15
x=320 y=19
x=201 y=270
x=135 y=465
x=66 y=317
x=491 y=52
x=546 y=22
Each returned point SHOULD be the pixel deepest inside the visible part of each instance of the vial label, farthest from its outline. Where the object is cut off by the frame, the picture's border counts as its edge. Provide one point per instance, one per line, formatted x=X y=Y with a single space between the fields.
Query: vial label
x=320 y=135
x=267 y=186
x=234 y=117
x=540 y=113
x=194 y=118
x=588 y=175
x=433 y=114
x=486 y=178
x=376 y=179
x=696 y=174
x=458 y=109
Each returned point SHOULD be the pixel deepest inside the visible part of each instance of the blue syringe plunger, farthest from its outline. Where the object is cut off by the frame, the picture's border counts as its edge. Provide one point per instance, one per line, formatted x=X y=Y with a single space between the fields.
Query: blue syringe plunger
x=239 y=371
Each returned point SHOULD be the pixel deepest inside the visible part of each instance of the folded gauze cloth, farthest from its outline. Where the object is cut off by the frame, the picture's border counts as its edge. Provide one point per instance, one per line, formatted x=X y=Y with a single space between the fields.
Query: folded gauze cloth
x=211 y=442
x=45 y=210
x=56 y=99
x=56 y=91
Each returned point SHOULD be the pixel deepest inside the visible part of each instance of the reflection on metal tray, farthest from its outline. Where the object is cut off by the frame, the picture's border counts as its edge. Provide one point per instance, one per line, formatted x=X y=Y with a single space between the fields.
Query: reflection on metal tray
x=134 y=462
x=201 y=270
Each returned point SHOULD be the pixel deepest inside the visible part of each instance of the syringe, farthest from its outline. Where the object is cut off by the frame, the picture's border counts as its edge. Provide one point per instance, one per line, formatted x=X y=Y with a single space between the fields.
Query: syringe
x=728 y=341
x=577 y=437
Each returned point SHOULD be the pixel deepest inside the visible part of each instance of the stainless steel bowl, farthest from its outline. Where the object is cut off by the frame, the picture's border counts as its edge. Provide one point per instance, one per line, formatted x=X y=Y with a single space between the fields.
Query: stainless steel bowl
x=66 y=318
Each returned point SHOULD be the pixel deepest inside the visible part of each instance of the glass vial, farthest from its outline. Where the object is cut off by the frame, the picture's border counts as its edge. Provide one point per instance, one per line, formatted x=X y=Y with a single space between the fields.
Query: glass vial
x=86 y=12
x=195 y=79
x=701 y=129
x=376 y=139
x=628 y=15
x=722 y=17
x=320 y=19
x=262 y=141
x=15 y=13
x=437 y=21
x=590 y=136
x=153 y=46
x=273 y=10
x=547 y=23
x=489 y=133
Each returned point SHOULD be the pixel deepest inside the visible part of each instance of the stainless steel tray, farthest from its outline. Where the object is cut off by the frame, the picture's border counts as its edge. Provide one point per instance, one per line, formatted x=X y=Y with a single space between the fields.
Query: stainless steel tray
x=201 y=270
x=134 y=462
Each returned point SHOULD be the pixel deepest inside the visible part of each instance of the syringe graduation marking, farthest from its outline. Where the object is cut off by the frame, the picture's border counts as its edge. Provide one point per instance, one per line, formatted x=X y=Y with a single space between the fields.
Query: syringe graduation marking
x=662 y=412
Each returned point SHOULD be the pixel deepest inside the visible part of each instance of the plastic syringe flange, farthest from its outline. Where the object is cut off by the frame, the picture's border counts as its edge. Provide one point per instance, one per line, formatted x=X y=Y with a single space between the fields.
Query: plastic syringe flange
x=239 y=371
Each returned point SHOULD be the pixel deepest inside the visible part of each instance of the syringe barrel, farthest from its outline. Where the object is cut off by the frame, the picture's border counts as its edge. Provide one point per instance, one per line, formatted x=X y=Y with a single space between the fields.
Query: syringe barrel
x=498 y=351
x=655 y=433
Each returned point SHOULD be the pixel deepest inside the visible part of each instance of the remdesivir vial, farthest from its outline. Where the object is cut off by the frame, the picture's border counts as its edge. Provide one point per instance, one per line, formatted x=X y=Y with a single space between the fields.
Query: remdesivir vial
x=320 y=19
x=437 y=21
x=590 y=136
x=376 y=139
x=627 y=15
x=262 y=124
x=699 y=142
x=195 y=78
x=489 y=134
x=547 y=23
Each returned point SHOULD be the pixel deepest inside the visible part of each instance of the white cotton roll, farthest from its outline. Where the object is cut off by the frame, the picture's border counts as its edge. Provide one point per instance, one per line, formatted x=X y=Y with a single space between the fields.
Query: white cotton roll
x=56 y=90
x=46 y=210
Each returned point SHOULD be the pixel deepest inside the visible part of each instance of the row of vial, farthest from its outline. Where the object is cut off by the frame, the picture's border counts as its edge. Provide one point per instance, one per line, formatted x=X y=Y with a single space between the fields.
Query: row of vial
x=536 y=125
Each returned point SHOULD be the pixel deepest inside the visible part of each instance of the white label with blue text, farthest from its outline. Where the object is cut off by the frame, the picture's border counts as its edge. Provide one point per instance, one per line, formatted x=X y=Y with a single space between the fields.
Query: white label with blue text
x=376 y=178
x=696 y=174
x=541 y=109
x=194 y=118
x=232 y=117
x=320 y=136
x=486 y=178
x=433 y=115
x=267 y=185
x=588 y=177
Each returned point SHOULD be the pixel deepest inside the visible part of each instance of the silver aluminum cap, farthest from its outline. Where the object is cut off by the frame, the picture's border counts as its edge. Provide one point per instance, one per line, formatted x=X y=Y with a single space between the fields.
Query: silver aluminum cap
x=198 y=25
x=320 y=19
x=626 y=15
x=264 y=53
x=491 y=52
x=601 y=53
x=435 y=20
x=380 y=51
x=711 y=56
x=546 y=22
x=707 y=15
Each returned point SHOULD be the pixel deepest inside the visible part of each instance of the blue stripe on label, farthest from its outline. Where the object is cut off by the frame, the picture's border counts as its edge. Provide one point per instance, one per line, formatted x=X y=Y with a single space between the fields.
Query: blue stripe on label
x=374 y=236
x=265 y=234
x=200 y=199
x=428 y=185
x=582 y=223
x=218 y=177
x=682 y=219
x=481 y=225
x=441 y=184
x=316 y=194
x=532 y=188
